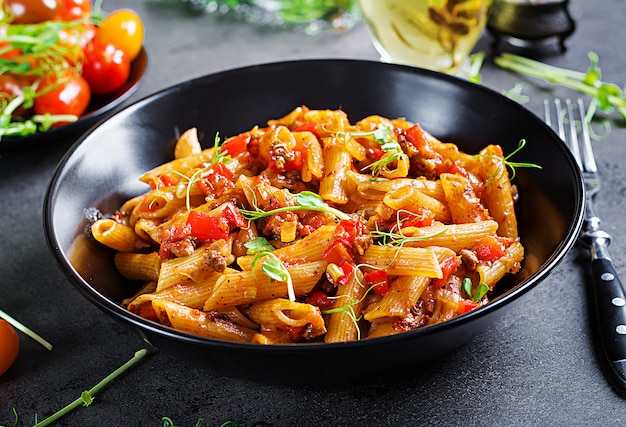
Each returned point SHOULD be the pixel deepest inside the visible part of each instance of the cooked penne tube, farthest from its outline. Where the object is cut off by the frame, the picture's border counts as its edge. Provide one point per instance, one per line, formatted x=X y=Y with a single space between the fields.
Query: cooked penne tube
x=349 y=300
x=280 y=313
x=310 y=228
x=136 y=266
x=198 y=322
x=403 y=260
x=116 y=236
x=247 y=287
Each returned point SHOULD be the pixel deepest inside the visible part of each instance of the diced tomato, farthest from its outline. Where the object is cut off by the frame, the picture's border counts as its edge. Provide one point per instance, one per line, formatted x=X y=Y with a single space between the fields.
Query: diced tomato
x=489 y=249
x=234 y=216
x=448 y=267
x=347 y=231
x=348 y=272
x=320 y=299
x=237 y=144
x=164 y=180
x=216 y=180
x=422 y=217
x=337 y=252
x=466 y=306
x=207 y=227
x=459 y=170
x=416 y=136
x=308 y=127
x=378 y=279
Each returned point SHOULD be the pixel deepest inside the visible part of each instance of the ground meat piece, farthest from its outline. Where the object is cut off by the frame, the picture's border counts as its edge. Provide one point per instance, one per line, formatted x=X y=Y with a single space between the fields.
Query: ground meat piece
x=362 y=243
x=415 y=319
x=216 y=261
x=281 y=154
x=181 y=248
x=469 y=259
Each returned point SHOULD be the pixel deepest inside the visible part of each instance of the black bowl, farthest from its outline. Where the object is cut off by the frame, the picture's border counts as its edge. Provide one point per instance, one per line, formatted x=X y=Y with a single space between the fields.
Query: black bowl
x=102 y=168
x=99 y=105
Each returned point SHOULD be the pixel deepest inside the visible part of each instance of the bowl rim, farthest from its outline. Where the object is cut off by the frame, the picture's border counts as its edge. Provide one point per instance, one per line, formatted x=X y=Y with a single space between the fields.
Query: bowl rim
x=116 y=311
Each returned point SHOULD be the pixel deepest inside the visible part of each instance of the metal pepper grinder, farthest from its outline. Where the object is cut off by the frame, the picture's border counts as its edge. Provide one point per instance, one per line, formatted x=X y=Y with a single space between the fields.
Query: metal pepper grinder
x=530 y=24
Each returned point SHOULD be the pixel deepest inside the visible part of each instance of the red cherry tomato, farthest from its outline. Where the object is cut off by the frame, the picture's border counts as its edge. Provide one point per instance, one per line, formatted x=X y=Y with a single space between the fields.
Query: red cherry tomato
x=33 y=11
x=125 y=30
x=106 y=67
x=64 y=93
x=10 y=87
x=9 y=346
x=72 y=10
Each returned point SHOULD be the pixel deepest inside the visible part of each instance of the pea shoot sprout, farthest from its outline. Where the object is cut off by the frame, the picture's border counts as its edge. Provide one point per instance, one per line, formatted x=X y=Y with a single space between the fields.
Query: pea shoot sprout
x=508 y=163
x=305 y=201
x=86 y=397
x=272 y=266
x=478 y=294
x=19 y=326
x=605 y=96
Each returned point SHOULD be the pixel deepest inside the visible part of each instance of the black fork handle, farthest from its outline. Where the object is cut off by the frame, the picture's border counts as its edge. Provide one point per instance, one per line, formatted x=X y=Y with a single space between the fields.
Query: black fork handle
x=610 y=301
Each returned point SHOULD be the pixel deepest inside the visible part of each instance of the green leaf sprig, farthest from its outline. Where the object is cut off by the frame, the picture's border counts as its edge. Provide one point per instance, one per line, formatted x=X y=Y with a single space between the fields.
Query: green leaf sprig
x=605 y=96
x=477 y=294
x=305 y=201
x=86 y=397
x=508 y=163
x=19 y=326
x=272 y=266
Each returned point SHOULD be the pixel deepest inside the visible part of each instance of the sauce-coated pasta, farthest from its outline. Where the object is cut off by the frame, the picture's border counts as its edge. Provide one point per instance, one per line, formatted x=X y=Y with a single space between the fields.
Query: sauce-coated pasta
x=315 y=229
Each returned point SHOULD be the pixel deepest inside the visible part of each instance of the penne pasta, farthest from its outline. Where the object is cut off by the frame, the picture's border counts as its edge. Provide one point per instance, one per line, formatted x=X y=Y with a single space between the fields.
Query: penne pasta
x=315 y=229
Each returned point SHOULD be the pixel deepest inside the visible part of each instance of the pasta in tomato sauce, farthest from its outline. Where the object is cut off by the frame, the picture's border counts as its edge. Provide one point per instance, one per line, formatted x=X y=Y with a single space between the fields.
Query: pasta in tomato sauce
x=312 y=228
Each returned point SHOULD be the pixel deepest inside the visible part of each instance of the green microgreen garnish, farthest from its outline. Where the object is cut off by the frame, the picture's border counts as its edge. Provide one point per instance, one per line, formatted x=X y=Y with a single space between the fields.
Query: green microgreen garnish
x=476 y=61
x=219 y=156
x=349 y=308
x=605 y=96
x=19 y=326
x=272 y=266
x=390 y=238
x=477 y=294
x=86 y=397
x=508 y=163
x=515 y=94
x=305 y=201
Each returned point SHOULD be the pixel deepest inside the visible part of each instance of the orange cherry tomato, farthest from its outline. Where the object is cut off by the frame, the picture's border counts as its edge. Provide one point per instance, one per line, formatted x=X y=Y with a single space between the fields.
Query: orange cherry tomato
x=9 y=346
x=125 y=30
x=64 y=93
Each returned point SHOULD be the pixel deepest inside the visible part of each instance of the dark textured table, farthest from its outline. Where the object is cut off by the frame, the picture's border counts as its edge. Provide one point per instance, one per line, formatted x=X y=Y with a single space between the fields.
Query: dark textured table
x=540 y=365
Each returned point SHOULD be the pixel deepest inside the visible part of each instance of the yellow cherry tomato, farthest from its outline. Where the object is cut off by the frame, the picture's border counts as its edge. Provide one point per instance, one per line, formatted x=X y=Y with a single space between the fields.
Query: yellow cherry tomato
x=9 y=346
x=124 y=29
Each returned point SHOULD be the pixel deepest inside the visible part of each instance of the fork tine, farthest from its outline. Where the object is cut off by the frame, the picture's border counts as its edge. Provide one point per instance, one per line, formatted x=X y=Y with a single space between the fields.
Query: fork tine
x=589 y=162
x=563 y=116
x=572 y=141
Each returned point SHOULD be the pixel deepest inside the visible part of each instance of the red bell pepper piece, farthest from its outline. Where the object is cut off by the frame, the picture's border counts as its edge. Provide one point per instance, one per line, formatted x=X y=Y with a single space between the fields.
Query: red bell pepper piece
x=448 y=267
x=237 y=144
x=337 y=252
x=378 y=279
x=216 y=180
x=320 y=299
x=490 y=249
x=466 y=306
x=308 y=127
x=207 y=227
x=234 y=216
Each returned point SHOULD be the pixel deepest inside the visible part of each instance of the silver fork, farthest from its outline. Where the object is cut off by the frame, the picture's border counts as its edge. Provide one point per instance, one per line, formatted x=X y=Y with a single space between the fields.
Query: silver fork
x=610 y=298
